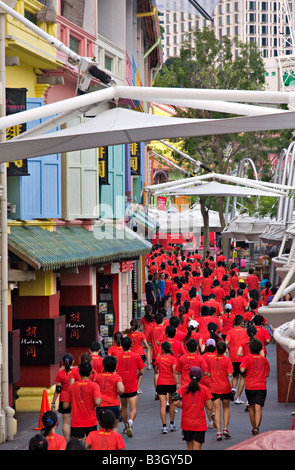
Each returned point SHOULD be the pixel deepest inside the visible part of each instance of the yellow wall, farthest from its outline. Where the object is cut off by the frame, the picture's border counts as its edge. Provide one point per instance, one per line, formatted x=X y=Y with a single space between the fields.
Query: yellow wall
x=43 y=285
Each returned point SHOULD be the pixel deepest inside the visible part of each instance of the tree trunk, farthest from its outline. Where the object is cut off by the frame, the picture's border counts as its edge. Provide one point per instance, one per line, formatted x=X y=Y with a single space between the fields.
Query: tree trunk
x=205 y=214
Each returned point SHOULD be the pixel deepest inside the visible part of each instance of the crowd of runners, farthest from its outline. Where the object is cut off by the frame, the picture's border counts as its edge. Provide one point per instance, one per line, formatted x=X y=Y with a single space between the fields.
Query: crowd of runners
x=205 y=341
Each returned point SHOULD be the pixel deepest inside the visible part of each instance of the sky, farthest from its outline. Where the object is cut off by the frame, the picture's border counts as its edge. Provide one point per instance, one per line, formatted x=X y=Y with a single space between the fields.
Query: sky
x=185 y=6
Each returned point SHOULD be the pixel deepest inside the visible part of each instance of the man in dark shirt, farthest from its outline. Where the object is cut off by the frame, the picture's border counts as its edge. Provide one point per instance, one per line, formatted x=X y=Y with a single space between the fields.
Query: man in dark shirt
x=150 y=292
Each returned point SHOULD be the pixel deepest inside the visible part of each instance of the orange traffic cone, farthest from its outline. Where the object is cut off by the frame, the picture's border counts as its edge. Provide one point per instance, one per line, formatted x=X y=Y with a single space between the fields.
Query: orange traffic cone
x=44 y=407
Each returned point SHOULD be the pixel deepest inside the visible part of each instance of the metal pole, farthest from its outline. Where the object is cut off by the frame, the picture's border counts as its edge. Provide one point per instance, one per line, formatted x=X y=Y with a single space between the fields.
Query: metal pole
x=9 y=412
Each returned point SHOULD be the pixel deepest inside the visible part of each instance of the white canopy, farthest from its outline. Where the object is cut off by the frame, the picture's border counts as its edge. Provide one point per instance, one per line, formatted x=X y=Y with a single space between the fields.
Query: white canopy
x=119 y=126
x=216 y=189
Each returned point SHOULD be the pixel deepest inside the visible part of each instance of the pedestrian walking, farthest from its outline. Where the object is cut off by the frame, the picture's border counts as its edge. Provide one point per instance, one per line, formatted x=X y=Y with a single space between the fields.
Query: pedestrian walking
x=193 y=398
x=256 y=369
x=221 y=369
x=116 y=348
x=138 y=344
x=165 y=365
x=187 y=361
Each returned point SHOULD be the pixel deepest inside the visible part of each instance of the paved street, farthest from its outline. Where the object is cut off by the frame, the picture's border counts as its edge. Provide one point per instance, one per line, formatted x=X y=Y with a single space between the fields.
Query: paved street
x=147 y=428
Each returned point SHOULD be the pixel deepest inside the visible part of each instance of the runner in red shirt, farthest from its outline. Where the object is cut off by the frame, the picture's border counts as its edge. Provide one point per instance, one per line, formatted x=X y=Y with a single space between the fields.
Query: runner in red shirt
x=206 y=284
x=130 y=367
x=83 y=396
x=252 y=281
x=96 y=362
x=193 y=333
x=139 y=344
x=188 y=360
x=220 y=368
x=64 y=377
x=193 y=398
x=105 y=438
x=177 y=347
x=218 y=291
x=116 y=348
x=166 y=383
x=227 y=321
x=111 y=386
x=226 y=285
x=212 y=302
x=256 y=369
x=262 y=333
x=50 y=423
x=234 y=339
x=239 y=304
x=234 y=280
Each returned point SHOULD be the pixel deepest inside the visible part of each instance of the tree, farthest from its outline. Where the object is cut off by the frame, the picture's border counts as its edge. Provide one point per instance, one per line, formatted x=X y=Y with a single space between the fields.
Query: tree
x=209 y=63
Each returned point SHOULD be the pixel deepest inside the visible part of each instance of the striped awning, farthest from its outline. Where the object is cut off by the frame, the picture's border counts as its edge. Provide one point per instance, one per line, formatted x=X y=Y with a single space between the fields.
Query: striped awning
x=68 y=247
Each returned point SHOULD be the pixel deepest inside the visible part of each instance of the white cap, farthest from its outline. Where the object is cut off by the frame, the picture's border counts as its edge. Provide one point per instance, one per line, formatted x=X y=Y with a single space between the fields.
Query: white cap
x=193 y=323
x=228 y=306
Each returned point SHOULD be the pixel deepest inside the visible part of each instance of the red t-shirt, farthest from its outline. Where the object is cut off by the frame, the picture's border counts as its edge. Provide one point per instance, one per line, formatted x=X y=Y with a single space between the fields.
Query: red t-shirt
x=206 y=284
x=186 y=362
x=257 y=370
x=226 y=286
x=193 y=417
x=227 y=322
x=56 y=442
x=238 y=305
x=105 y=439
x=234 y=282
x=97 y=363
x=215 y=304
x=108 y=388
x=177 y=347
x=115 y=350
x=64 y=378
x=219 y=367
x=165 y=363
x=194 y=335
x=252 y=282
x=147 y=326
x=203 y=326
x=195 y=307
x=219 y=294
x=154 y=339
x=137 y=337
x=263 y=335
x=236 y=337
x=81 y=396
x=128 y=365
x=206 y=380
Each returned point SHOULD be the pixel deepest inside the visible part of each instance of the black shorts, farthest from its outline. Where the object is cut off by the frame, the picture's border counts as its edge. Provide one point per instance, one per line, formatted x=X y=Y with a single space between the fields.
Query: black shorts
x=222 y=396
x=129 y=395
x=143 y=357
x=80 y=433
x=236 y=366
x=256 y=397
x=164 y=389
x=62 y=410
x=114 y=409
x=198 y=436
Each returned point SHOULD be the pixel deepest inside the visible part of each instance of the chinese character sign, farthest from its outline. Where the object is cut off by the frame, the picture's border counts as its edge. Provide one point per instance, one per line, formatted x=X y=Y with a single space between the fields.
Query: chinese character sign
x=16 y=102
x=135 y=158
x=103 y=167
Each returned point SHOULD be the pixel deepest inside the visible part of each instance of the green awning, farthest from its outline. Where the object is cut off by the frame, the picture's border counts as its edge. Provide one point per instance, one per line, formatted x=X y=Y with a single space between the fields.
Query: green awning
x=74 y=246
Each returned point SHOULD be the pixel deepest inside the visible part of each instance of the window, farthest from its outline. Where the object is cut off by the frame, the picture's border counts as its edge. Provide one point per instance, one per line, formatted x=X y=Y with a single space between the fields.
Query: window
x=236 y=30
x=264 y=30
x=264 y=18
x=29 y=16
x=252 y=5
x=252 y=29
x=74 y=44
x=108 y=63
x=252 y=17
x=264 y=6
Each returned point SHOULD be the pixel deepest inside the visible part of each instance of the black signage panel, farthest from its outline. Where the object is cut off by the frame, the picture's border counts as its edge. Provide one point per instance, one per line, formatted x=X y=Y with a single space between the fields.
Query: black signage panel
x=81 y=325
x=42 y=341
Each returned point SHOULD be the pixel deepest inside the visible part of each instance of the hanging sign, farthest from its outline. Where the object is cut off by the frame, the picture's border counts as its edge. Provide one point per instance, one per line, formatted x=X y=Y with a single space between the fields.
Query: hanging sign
x=135 y=158
x=103 y=165
x=16 y=99
x=161 y=203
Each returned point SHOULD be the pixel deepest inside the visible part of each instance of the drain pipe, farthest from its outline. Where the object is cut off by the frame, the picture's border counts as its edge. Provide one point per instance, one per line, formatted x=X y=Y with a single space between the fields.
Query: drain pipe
x=8 y=411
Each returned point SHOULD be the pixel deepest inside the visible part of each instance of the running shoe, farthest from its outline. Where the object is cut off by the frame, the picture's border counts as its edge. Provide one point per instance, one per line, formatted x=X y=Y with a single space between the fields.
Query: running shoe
x=233 y=392
x=255 y=431
x=226 y=433
x=173 y=427
x=125 y=429
x=139 y=391
x=239 y=401
x=219 y=436
x=164 y=430
x=211 y=425
x=129 y=430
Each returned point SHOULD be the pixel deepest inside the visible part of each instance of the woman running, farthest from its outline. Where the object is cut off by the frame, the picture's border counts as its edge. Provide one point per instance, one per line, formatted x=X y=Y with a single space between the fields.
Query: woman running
x=165 y=365
x=50 y=423
x=193 y=399
x=64 y=377
x=220 y=368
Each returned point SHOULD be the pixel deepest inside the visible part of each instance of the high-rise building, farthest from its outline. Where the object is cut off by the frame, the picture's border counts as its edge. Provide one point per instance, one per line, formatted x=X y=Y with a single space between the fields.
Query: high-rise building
x=268 y=23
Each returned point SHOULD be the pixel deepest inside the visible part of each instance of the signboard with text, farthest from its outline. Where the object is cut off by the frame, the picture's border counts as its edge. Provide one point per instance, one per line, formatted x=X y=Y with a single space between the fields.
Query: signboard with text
x=135 y=158
x=81 y=325
x=42 y=341
x=103 y=165
x=16 y=99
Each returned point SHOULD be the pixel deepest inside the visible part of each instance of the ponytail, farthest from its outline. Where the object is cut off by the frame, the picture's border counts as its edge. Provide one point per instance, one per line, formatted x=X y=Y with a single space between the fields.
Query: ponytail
x=49 y=420
x=68 y=360
x=193 y=386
